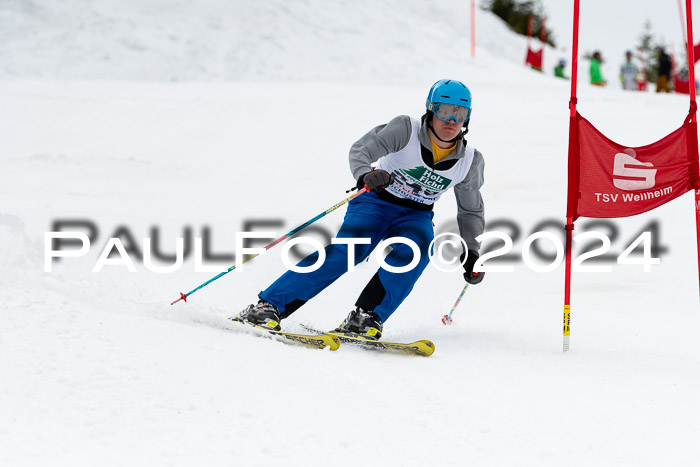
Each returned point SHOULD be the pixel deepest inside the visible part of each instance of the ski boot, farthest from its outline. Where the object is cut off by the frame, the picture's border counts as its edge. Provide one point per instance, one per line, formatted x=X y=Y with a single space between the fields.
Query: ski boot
x=364 y=323
x=263 y=314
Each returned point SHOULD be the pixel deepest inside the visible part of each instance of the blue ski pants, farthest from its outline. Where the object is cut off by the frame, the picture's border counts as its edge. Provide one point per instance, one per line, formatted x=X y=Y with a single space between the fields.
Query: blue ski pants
x=367 y=216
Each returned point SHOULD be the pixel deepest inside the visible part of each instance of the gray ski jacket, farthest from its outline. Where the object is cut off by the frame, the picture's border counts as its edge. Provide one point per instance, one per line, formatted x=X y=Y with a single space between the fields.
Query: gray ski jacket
x=395 y=136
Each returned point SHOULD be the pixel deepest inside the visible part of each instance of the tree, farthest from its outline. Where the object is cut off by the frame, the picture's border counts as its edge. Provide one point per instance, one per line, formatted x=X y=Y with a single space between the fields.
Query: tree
x=516 y=13
x=651 y=57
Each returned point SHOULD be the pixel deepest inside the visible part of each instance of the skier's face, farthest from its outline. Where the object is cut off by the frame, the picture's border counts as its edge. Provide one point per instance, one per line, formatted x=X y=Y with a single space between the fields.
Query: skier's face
x=446 y=130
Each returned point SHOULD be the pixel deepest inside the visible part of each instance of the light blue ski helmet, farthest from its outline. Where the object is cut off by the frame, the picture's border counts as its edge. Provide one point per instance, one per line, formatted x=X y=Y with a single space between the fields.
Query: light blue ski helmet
x=448 y=91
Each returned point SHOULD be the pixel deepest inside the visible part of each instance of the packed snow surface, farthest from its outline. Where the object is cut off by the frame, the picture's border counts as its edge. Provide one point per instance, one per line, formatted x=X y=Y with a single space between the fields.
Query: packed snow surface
x=266 y=99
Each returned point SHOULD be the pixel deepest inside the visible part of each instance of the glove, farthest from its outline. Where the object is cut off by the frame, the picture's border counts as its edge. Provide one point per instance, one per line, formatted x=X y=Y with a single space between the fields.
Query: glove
x=375 y=181
x=469 y=275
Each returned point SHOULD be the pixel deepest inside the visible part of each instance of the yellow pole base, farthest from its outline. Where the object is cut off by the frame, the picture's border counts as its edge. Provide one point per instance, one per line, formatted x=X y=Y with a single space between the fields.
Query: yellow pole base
x=567 y=326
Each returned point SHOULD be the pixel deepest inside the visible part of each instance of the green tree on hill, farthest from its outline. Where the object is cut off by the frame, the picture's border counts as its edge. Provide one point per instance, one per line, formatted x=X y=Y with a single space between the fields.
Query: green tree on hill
x=516 y=14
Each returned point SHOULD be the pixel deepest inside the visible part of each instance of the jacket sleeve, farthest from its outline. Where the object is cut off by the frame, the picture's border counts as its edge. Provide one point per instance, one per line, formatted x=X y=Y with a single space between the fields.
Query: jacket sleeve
x=379 y=142
x=470 y=205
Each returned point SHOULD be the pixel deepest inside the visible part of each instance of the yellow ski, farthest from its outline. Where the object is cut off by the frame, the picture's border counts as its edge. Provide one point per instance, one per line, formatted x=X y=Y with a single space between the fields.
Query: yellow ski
x=424 y=348
x=320 y=341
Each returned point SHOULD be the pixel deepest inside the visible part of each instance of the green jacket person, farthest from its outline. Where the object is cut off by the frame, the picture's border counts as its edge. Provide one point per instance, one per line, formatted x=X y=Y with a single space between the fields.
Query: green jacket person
x=596 y=76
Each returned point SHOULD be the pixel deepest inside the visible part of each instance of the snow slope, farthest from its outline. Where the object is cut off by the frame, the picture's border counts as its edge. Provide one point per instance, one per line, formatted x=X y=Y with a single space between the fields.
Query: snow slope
x=99 y=369
x=360 y=41
x=170 y=40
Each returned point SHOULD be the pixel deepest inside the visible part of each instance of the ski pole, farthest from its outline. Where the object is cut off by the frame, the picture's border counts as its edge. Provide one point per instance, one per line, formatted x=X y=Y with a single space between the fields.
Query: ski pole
x=183 y=296
x=447 y=319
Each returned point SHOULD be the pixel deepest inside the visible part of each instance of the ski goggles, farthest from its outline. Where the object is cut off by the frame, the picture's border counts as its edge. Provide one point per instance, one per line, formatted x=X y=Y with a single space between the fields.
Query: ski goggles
x=447 y=112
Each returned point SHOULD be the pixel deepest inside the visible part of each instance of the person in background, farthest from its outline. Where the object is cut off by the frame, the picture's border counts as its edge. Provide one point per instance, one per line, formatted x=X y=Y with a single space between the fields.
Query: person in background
x=559 y=69
x=628 y=73
x=663 y=82
x=596 y=76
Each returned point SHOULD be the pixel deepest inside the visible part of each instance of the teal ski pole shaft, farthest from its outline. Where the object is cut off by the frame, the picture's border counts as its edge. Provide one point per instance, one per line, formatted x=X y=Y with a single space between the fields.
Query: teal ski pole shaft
x=183 y=296
x=447 y=319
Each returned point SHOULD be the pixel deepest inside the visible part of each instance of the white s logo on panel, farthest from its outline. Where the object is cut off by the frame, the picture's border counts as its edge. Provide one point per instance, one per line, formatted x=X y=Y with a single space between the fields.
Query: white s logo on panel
x=630 y=174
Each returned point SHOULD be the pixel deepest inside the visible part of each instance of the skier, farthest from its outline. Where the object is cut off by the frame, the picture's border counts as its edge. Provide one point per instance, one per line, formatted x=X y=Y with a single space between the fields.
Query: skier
x=417 y=161
x=596 y=76
x=629 y=73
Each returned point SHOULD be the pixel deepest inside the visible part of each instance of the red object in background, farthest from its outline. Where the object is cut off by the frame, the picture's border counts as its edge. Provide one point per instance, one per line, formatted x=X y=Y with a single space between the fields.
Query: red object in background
x=607 y=179
x=642 y=83
x=472 y=32
x=534 y=59
x=681 y=87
